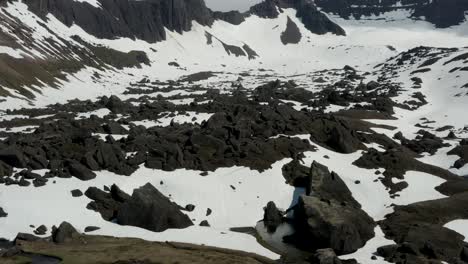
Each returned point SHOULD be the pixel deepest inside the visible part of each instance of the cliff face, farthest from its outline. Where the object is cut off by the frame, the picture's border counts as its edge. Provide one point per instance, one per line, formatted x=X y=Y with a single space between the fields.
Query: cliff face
x=126 y=18
x=314 y=20
x=442 y=13
x=146 y=19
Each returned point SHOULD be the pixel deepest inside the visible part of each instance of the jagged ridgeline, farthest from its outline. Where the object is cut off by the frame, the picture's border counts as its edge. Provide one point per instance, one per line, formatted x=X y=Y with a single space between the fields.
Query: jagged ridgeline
x=147 y=19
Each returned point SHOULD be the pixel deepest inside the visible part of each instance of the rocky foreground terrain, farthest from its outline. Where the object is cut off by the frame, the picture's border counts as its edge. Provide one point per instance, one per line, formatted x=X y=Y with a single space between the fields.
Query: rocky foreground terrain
x=244 y=128
x=324 y=132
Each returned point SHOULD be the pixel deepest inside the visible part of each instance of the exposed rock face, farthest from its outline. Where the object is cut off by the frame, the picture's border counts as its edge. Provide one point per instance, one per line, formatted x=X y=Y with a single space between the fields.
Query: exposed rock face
x=149 y=209
x=328 y=216
x=3 y=213
x=314 y=20
x=396 y=162
x=419 y=231
x=292 y=34
x=330 y=224
x=441 y=13
x=107 y=204
x=65 y=232
x=125 y=18
x=328 y=186
x=462 y=152
x=233 y=17
x=147 y=19
x=296 y=174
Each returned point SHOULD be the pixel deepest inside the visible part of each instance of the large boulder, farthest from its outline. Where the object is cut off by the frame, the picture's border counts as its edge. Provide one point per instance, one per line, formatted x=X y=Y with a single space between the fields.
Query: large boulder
x=107 y=204
x=328 y=186
x=272 y=217
x=3 y=213
x=64 y=233
x=80 y=171
x=13 y=157
x=296 y=174
x=331 y=224
x=150 y=209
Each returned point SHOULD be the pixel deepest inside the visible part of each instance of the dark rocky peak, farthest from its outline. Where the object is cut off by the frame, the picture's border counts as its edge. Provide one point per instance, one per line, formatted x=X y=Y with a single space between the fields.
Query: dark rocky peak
x=144 y=19
x=314 y=20
x=148 y=19
x=233 y=17
x=442 y=13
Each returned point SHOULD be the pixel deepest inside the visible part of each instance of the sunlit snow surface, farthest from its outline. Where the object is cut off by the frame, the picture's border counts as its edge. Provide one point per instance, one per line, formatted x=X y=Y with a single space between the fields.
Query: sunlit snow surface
x=366 y=45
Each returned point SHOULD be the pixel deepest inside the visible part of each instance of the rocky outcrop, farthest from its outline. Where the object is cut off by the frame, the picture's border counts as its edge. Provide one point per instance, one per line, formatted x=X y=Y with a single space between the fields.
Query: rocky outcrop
x=64 y=233
x=331 y=224
x=125 y=18
x=418 y=229
x=314 y=20
x=327 y=216
x=149 y=209
x=396 y=163
x=233 y=17
x=328 y=186
x=462 y=152
x=106 y=203
x=441 y=13
x=424 y=142
x=272 y=217
x=148 y=19
x=296 y=174
x=292 y=34
x=3 y=213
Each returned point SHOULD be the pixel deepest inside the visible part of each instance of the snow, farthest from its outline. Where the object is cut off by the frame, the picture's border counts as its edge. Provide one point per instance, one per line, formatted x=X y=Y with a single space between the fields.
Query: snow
x=10 y=51
x=40 y=205
x=94 y=3
x=364 y=254
x=99 y=113
x=459 y=226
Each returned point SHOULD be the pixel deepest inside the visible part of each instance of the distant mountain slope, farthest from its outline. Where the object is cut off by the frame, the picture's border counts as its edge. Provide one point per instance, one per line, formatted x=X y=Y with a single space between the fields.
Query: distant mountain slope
x=148 y=19
x=441 y=13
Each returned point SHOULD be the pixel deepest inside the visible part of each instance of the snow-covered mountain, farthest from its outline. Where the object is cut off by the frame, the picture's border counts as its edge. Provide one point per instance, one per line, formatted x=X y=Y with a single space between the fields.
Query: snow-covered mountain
x=303 y=130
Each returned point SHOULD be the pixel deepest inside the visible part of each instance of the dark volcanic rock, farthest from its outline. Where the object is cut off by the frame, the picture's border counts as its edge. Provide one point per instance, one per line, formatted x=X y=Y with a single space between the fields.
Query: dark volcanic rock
x=26 y=237
x=396 y=163
x=292 y=34
x=145 y=20
x=107 y=204
x=3 y=213
x=419 y=227
x=80 y=171
x=330 y=224
x=41 y=230
x=314 y=20
x=296 y=174
x=427 y=142
x=205 y=223
x=329 y=186
x=149 y=209
x=76 y=193
x=13 y=157
x=91 y=229
x=272 y=217
x=462 y=152
x=65 y=232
